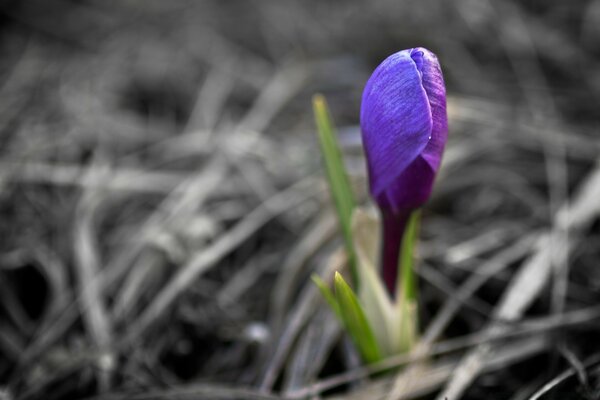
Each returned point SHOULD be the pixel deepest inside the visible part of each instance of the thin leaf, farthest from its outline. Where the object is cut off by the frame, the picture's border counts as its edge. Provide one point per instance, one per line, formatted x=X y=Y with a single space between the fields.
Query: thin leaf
x=328 y=295
x=355 y=321
x=373 y=294
x=408 y=285
x=406 y=295
x=339 y=183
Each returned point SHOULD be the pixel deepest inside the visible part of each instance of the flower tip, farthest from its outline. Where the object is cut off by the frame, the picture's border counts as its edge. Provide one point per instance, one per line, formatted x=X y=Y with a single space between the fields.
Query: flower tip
x=417 y=55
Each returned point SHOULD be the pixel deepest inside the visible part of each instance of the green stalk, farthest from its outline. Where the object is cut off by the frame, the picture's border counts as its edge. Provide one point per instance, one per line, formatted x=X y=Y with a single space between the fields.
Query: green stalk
x=408 y=284
x=339 y=183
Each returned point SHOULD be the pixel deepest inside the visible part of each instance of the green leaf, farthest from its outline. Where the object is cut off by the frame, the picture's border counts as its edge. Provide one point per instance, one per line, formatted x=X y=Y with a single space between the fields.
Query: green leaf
x=339 y=183
x=328 y=295
x=407 y=288
x=355 y=321
x=407 y=282
x=373 y=295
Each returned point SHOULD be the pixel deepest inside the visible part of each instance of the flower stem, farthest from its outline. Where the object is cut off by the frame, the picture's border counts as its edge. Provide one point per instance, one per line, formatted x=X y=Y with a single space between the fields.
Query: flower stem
x=394 y=225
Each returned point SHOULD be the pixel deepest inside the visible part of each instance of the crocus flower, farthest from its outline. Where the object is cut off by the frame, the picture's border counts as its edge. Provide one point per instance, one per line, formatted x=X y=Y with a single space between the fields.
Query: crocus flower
x=404 y=129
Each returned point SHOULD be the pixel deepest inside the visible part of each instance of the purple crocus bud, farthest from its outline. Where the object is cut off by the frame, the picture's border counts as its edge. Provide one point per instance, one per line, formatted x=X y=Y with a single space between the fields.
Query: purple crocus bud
x=404 y=129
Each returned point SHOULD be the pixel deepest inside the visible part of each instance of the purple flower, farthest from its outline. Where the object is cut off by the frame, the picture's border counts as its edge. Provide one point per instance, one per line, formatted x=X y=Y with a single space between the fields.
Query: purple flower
x=404 y=128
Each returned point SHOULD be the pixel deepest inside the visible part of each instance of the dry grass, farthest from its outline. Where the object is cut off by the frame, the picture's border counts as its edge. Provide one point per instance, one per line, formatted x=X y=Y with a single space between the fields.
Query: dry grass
x=162 y=203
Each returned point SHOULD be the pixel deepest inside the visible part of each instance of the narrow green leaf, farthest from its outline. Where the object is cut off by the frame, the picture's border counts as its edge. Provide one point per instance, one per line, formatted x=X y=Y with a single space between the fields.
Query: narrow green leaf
x=328 y=295
x=373 y=295
x=406 y=326
x=339 y=183
x=356 y=321
x=408 y=329
x=408 y=285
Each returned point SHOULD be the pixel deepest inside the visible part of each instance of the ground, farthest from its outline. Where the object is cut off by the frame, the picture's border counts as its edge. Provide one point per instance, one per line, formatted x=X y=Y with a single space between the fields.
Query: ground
x=163 y=203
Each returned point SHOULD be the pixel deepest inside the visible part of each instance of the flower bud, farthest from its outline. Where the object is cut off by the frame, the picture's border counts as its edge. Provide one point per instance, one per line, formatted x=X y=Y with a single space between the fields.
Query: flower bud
x=404 y=130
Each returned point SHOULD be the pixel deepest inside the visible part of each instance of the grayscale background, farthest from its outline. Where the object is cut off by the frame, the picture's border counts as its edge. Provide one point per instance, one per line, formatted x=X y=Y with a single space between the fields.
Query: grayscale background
x=163 y=203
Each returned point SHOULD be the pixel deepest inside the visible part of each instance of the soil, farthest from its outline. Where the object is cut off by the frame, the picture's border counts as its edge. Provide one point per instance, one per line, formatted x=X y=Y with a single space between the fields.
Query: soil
x=163 y=203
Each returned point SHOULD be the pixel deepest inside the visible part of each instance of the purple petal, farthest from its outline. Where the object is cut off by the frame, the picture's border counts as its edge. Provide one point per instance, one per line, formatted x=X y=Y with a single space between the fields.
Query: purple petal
x=403 y=117
x=410 y=190
x=433 y=82
x=395 y=120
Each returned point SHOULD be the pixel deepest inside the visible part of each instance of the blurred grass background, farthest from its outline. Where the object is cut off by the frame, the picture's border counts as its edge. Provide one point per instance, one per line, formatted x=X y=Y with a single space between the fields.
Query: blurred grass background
x=162 y=199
